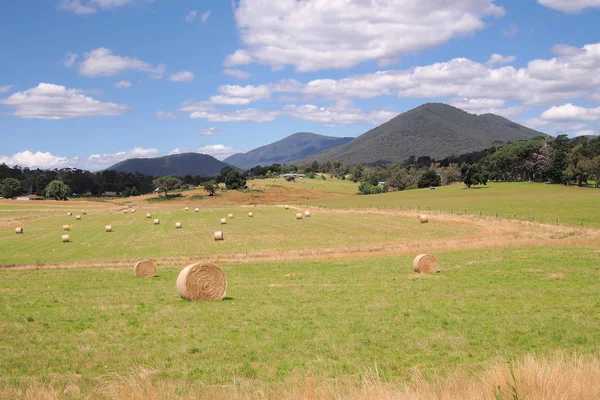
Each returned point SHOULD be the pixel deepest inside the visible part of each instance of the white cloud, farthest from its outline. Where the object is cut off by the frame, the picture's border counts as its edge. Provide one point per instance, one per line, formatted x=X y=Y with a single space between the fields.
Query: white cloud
x=69 y=59
x=570 y=6
x=176 y=151
x=122 y=85
x=100 y=161
x=191 y=16
x=35 y=160
x=182 y=77
x=52 y=102
x=218 y=151
x=208 y=132
x=204 y=18
x=498 y=59
x=337 y=34
x=165 y=115
x=341 y=113
x=236 y=73
x=206 y=111
x=82 y=7
x=569 y=112
x=101 y=62
x=4 y=89
x=486 y=106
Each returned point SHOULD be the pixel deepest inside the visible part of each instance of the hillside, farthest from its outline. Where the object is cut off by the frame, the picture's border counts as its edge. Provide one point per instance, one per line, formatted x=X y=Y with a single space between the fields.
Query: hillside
x=297 y=146
x=436 y=130
x=180 y=165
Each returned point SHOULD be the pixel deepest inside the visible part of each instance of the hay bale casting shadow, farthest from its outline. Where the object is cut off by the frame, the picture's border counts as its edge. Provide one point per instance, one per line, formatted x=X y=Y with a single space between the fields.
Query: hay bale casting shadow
x=202 y=282
x=144 y=269
x=426 y=263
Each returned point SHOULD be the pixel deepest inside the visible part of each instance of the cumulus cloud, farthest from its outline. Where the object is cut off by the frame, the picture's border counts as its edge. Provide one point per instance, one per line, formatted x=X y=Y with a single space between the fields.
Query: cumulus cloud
x=499 y=59
x=182 y=77
x=102 y=62
x=236 y=73
x=208 y=132
x=207 y=111
x=47 y=160
x=43 y=160
x=341 y=113
x=191 y=16
x=52 y=102
x=82 y=7
x=338 y=34
x=241 y=95
x=570 y=6
x=569 y=112
x=122 y=85
x=165 y=115
x=218 y=151
x=486 y=106
x=4 y=89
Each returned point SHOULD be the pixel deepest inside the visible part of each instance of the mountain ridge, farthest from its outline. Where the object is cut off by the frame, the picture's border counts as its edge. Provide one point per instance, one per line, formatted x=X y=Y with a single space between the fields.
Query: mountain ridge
x=180 y=165
x=291 y=148
x=436 y=130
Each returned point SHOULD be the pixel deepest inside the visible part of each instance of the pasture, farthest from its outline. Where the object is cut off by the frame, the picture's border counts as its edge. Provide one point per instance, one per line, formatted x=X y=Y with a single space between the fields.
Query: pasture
x=315 y=308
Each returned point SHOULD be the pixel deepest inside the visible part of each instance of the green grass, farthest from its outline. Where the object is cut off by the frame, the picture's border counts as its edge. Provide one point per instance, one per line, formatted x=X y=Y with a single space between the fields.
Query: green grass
x=325 y=318
x=134 y=236
x=524 y=201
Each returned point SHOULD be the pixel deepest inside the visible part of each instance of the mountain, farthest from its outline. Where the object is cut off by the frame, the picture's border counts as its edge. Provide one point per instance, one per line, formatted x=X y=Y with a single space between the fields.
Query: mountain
x=436 y=130
x=292 y=148
x=180 y=165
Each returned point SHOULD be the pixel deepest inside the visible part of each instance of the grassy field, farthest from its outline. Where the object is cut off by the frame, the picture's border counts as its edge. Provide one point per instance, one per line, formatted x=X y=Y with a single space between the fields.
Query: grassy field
x=272 y=228
x=333 y=186
x=329 y=319
x=525 y=201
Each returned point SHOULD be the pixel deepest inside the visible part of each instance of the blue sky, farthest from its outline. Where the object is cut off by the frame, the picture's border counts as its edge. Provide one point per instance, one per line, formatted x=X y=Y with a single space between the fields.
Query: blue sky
x=87 y=83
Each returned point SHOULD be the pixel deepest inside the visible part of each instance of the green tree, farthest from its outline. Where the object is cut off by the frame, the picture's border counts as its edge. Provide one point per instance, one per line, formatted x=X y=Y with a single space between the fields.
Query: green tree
x=232 y=178
x=57 y=190
x=367 y=188
x=211 y=187
x=429 y=178
x=471 y=174
x=10 y=188
x=314 y=166
x=166 y=183
x=357 y=172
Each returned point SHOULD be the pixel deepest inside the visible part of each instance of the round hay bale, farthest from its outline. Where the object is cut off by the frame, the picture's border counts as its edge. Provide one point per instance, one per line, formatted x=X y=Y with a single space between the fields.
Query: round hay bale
x=299 y=216
x=196 y=209
x=219 y=235
x=423 y=218
x=66 y=239
x=230 y=216
x=187 y=209
x=287 y=207
x=78 y=217
x=177 y=225
x=144 y=269
x=66 y=227
x=426 y=263
x=148 y=215
x=108 y=228
x=202 y=282
x=223 y=221
x=157 y=221
x=125 y=211
x=69 y=214
x=307 y=213
x=18 y=230
x=250 y=214
x=133 y=210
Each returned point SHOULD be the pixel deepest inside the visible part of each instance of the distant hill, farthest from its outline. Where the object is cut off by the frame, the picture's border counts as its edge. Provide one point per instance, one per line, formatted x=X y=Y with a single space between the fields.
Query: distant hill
x=436 y=130
x=292 y=148
x=180 y=165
